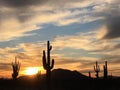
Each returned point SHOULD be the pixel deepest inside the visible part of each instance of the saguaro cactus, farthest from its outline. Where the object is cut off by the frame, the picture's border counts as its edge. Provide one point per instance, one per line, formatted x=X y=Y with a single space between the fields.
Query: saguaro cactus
x=47 y=64
x=105 y=70
x=16 y=68
x=97 y=69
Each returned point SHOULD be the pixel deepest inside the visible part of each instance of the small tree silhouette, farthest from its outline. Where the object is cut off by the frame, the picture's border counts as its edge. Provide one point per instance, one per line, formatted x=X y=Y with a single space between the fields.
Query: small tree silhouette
x=105 y=70
x=47 y=64
x=38 y=75
x=16 y=68
x=97 y=70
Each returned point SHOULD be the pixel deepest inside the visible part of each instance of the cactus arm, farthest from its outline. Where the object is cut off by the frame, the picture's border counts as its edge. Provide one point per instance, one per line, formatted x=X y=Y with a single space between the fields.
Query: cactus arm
x=44 y=60
x=18 y=66
x=50 y=48
x=96 y=64
x=104 y=67
x=52 y=65
x=48 y=52
x=98 y=68
x=106 y=64
x=94 y=68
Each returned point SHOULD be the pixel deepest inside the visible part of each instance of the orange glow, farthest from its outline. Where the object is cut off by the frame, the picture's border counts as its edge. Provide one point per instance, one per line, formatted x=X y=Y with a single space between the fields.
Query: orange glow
x=32 y=70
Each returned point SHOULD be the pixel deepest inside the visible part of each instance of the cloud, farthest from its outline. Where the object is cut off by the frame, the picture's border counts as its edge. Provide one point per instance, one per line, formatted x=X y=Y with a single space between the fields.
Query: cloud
x=30 y=5
x=29 y=54
x=25 y=3
x=113 y=27
x=21 y=26
x=79 y=63
x=25 y=52
x=85 y=41
x=12 y=28
x=101 y=49
x=66 y=61
x=20 y=3
x=24 y=16
x=110 y=11
x=5 y=66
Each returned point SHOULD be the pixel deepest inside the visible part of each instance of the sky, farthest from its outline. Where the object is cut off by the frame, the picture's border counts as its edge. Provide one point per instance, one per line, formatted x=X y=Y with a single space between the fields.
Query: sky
x=81 y=32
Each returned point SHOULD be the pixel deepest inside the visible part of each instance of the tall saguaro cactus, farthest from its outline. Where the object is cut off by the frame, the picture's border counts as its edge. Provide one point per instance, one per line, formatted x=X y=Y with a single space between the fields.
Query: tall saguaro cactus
x=47 y=64
x=105 y=70
x=97 y=69
x=16 y=68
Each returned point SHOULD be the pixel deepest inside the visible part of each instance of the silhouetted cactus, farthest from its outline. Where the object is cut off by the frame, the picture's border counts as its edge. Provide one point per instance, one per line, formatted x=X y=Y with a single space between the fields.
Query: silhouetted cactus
x=47 y=64
x=16 y=68
x=97 y=69
x=105 y=70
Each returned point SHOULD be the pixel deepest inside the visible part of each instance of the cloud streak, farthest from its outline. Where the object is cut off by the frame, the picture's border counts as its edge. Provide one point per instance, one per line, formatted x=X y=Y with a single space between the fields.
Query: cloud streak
x=112 y=18
x=20 y=3
x=113 y=27
x=26 y=15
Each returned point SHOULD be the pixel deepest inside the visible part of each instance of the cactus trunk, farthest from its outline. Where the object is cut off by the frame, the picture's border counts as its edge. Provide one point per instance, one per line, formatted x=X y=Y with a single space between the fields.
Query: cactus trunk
x=47 y=64
x=48 y=77
x=105 y=70
x=97 y=75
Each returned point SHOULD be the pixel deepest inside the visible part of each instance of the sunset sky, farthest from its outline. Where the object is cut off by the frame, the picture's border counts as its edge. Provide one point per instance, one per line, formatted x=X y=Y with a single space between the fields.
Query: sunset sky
x=80 y=31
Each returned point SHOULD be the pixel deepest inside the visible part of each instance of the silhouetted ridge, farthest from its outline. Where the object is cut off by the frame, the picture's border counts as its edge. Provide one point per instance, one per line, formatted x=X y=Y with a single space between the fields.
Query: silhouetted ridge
x=63 y=74
x=26 y=77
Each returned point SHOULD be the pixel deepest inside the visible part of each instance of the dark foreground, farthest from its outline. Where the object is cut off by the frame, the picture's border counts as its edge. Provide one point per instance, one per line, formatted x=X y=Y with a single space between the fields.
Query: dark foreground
x=61 y=80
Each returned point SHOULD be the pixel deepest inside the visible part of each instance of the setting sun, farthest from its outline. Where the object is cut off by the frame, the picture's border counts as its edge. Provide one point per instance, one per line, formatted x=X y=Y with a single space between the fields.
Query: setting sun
x=32 y=70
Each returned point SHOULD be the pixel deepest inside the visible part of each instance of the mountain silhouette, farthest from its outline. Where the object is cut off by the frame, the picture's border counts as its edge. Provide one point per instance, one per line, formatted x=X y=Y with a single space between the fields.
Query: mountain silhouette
x=64 y=74
x=61 y=79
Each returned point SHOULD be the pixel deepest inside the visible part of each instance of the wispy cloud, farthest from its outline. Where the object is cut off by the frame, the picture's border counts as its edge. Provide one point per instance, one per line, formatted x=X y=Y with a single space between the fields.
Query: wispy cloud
x=112 y=16
x=22 y=16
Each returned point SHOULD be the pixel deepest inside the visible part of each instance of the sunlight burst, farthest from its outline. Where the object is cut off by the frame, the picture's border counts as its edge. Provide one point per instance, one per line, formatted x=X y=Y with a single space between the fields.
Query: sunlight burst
x=32 y=70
